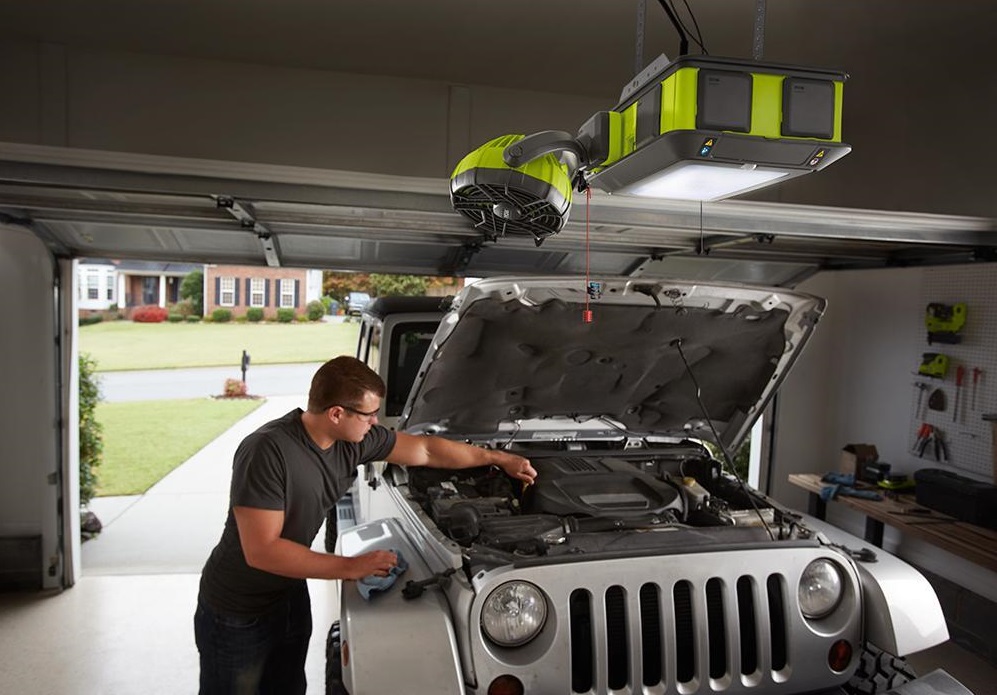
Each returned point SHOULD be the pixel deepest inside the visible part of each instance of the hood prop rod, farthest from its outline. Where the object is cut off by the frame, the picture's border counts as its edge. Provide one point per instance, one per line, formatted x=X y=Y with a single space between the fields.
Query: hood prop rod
x=677 y=344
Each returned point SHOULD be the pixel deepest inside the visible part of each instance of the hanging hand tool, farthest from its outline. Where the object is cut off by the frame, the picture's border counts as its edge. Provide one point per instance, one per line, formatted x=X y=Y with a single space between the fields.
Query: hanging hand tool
x=976 y=377
x=960 y=372
x=921 y=387
x=936 y=400
x=922 y=438
x=929 y=435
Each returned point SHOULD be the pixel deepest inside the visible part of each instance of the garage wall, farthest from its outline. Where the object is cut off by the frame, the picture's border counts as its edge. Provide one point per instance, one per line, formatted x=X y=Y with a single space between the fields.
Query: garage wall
x=134 y=102
x=29 y=430
x=855 y=384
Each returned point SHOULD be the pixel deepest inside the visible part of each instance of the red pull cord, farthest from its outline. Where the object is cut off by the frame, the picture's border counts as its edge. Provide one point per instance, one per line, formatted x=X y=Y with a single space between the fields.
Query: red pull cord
x=587 y=314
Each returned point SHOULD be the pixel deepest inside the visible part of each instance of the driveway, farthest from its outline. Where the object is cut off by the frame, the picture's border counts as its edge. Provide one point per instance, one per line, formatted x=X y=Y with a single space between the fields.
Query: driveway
x=161 y=384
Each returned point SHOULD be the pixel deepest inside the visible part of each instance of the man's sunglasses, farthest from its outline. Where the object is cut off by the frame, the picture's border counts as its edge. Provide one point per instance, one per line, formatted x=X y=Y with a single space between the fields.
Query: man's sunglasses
x=354 y=410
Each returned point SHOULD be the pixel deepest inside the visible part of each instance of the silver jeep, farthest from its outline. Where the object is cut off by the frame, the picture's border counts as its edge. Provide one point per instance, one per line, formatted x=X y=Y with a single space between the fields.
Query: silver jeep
x=639 y=562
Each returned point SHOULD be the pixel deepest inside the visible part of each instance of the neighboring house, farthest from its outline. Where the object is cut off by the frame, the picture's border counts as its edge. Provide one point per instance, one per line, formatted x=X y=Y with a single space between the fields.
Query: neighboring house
x=240 y=287
x=123 y=285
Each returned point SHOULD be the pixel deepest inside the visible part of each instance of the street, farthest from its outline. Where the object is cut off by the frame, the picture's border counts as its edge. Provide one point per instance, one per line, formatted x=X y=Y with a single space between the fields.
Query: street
x=162 y=384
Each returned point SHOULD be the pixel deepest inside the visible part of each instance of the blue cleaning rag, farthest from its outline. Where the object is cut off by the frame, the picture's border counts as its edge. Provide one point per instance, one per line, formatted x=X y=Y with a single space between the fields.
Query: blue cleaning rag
x=842 y=484
x=846 y=479
x=372 y=584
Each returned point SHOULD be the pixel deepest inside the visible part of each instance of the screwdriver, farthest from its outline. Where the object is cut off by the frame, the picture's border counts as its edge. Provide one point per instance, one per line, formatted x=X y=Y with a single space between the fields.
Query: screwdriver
x=960 y=372
x=976 y=377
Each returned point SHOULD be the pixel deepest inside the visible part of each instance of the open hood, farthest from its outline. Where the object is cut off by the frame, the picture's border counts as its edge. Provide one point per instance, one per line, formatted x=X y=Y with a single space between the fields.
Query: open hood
x=516 y=355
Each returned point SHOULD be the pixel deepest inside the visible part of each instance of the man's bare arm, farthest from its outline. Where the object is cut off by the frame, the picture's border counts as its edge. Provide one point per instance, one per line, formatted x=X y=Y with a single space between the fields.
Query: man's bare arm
x=437 y=452
x=259 y=534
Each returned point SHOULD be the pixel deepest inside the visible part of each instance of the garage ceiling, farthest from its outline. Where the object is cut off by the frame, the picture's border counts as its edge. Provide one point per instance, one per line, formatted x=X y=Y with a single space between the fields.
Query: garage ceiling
x=102 y=204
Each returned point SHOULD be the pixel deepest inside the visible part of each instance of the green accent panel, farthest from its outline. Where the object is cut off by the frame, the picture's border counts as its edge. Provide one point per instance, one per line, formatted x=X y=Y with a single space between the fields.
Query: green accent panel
x=766 y=105
x=839 y=89
x=679 y=94
x=617 y=142
x=629 y=130
x=489 y=156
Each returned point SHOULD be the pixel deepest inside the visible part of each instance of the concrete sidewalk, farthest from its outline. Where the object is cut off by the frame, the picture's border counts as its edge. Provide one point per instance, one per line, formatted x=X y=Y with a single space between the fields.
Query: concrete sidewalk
x=173 y=527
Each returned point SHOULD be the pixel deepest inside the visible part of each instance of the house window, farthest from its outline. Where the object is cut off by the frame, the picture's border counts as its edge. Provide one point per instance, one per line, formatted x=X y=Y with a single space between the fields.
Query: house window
x=93 y=284
x=287 y=293
x=109 y=290
x=227 y=289
x=256 y=290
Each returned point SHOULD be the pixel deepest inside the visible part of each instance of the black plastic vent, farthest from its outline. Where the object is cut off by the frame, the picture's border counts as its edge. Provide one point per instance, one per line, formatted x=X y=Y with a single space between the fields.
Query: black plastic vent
x=580 y=607
x=525 y=213
x=777 y=622
x=617 y=640
x=748 y=625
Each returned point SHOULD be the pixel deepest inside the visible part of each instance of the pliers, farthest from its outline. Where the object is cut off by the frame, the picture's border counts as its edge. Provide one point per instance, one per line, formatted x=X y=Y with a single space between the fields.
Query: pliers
x=926 y=435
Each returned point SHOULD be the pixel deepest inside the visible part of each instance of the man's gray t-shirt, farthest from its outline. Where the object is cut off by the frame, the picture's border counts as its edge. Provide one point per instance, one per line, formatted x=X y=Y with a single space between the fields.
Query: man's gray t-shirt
x=279 y=467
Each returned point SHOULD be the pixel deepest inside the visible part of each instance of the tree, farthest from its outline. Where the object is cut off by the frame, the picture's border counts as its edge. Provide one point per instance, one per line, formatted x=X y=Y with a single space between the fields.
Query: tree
x=192 y=289
x=338 y=285
x=398 y=284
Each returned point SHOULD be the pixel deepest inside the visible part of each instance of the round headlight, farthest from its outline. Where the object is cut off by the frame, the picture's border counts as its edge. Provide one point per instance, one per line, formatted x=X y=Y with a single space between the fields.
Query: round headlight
x=820 y=588
x=513 y=614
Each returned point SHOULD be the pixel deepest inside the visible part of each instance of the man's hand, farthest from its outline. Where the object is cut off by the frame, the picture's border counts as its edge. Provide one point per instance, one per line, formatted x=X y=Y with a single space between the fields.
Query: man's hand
x=515 y=466
x=377 y=562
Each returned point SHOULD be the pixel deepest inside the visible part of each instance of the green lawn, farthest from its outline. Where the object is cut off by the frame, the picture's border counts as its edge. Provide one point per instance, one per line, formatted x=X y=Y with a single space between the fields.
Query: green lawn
x=145 y=440
x=121 y=345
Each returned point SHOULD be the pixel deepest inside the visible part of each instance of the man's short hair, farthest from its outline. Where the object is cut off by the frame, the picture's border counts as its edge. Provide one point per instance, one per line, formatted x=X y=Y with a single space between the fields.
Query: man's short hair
x=342 y=381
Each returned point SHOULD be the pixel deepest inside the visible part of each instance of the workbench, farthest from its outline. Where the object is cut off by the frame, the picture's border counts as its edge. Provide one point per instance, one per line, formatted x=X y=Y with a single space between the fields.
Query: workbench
x=975 y=543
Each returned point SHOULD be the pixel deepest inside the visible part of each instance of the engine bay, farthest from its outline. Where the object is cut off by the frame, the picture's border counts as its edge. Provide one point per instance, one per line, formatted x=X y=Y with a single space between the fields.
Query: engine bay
x=598 y=501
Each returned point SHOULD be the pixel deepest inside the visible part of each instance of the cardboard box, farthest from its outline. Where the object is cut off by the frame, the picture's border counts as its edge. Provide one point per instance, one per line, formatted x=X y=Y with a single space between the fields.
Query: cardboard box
x=854 y=456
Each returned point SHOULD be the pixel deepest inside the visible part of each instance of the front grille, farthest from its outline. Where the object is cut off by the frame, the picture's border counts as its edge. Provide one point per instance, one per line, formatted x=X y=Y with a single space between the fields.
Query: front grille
x=680 y=633
x=683 y=624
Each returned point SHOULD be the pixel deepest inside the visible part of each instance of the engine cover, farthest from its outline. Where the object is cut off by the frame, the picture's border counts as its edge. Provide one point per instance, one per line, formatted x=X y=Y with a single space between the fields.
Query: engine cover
x=597 y=487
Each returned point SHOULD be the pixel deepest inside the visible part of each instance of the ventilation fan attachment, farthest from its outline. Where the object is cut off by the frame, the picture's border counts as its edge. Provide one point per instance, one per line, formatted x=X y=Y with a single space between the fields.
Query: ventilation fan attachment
x=500 y=200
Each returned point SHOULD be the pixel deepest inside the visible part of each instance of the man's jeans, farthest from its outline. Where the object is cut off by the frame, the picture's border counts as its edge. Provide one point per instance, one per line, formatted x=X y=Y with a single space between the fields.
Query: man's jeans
x=255 y=656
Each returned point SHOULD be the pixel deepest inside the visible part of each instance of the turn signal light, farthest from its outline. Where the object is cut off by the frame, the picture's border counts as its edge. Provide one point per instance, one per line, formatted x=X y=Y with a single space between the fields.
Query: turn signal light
x=506 y=685
x=839 y=656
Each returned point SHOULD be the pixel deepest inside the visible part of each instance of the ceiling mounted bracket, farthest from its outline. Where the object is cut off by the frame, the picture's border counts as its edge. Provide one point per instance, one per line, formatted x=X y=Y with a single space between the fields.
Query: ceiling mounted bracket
x=244 y=213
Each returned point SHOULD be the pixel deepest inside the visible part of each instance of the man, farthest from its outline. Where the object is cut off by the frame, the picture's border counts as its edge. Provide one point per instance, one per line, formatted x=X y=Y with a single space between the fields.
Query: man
x=253 y=618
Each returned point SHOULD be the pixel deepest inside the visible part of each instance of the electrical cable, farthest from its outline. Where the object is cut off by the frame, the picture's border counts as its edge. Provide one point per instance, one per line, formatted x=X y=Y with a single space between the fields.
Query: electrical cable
x=681 y=28
x=677 y=344
x=702 y=46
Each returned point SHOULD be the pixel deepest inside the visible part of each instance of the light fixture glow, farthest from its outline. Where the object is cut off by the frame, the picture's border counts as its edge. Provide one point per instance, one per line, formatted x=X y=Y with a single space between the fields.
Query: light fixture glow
x=705 y=182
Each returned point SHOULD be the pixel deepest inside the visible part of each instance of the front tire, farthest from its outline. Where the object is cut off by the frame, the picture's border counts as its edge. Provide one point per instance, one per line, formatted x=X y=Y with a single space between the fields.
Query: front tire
x=334 y=662
x=878 y=672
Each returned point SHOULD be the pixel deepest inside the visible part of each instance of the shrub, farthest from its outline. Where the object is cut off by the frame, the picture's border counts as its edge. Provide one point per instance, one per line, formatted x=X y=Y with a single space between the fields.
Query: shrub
x=254 y=314
x=91 y=319
x=235 y=388
x=221 y=315
x=149 y=314
x=193 y=319
x=174 y=318
x=184 y=307
x=192 y=289
x=91 y=432
x=241 y=319
x=301 y=318
x=285 y=314
x=315 y=310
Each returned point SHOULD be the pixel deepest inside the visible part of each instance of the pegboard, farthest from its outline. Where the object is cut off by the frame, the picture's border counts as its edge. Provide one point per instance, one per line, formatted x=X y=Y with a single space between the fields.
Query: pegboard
x=968 y=437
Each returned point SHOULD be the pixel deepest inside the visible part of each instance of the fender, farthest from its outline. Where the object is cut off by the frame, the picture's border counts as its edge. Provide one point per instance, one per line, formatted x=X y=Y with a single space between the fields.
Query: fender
x=392 y=644
x=901 y=610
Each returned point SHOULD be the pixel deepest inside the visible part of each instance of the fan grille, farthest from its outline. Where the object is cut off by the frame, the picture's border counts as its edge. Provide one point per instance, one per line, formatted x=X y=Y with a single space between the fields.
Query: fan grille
x=536 y=217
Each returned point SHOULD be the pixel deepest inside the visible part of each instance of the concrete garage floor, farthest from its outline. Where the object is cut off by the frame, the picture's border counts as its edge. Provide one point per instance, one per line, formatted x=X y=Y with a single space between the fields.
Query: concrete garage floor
x=127 y=625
